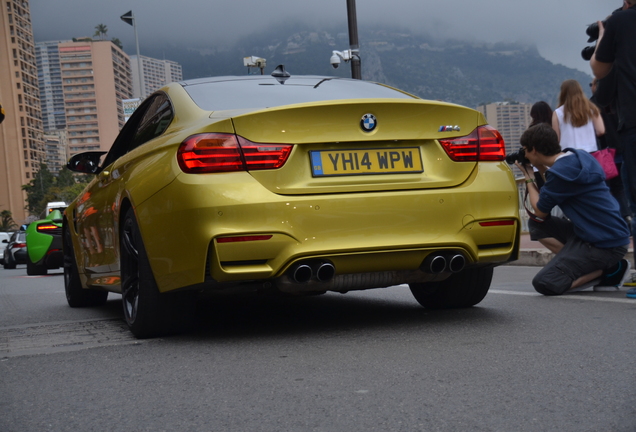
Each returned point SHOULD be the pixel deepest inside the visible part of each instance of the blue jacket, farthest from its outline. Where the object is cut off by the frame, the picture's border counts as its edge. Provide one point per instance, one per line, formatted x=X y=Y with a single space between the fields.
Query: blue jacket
x=576 y=183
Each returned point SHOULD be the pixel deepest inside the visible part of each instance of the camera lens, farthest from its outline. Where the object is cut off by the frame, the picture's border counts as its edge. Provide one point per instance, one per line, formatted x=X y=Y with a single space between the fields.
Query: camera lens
x=592 y=31
x=587 y=53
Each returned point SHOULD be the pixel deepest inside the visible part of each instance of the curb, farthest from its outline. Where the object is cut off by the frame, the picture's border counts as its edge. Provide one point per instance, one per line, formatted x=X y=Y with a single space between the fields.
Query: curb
x=540 y=257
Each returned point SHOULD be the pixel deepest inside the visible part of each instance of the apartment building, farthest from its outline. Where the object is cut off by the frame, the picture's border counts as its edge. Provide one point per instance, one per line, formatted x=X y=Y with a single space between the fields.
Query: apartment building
x=21 y=141
x=55 y=144
x=154 y=74
x=47 y=55
x=511 y=119
x=96 y=77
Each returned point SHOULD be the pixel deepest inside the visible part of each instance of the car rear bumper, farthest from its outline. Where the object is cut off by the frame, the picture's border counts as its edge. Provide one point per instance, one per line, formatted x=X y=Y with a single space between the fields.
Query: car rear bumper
x=20 y=256
x=358 y=232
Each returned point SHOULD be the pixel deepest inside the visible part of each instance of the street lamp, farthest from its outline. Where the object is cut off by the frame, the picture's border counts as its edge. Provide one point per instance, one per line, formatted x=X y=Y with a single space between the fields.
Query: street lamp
x=129 y=19
x=354 y=47
x=353 y=53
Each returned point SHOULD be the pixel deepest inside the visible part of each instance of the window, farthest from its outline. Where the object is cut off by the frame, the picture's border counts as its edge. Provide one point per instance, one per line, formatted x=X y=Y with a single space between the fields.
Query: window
x=148 y=121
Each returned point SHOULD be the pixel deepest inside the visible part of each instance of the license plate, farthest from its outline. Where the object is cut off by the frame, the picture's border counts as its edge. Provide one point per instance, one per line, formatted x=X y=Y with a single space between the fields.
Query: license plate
x=369 y=161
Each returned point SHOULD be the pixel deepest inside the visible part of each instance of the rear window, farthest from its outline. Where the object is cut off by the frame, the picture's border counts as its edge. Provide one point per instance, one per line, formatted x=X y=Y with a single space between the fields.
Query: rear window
x=265 y=92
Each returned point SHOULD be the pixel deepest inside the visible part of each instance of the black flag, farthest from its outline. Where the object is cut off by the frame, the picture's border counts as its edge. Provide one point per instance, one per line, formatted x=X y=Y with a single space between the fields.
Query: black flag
x=127 y=17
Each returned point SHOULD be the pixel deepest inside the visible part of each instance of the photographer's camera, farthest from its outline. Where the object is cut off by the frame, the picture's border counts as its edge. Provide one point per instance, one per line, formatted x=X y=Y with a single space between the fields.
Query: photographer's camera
x=518 y=156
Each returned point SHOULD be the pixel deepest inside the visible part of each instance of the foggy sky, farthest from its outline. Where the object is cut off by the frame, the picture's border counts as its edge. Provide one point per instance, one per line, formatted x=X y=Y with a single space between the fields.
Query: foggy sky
x=556 y=27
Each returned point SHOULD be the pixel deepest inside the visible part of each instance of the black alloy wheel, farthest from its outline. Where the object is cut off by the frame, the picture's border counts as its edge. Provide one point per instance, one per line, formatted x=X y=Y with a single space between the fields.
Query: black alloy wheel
x=460 y=290
x=148 y=313
x=34 y=269
x=76 y=295
x=9 y=261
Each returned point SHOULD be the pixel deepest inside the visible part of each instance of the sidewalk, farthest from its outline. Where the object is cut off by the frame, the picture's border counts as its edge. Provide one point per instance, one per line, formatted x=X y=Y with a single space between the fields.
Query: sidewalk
x=534 y=254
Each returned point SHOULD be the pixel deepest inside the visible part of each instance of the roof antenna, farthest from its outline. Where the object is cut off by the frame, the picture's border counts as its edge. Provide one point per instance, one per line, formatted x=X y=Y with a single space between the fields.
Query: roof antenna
x=281 y=74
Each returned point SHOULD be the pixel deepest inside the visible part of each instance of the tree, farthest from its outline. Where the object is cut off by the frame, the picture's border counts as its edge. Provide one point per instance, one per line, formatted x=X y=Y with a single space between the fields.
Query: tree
x=37 y=190
x=6 y=222
x=117 y=42
x=65 y=178
x=101 y=30
x=45 y=187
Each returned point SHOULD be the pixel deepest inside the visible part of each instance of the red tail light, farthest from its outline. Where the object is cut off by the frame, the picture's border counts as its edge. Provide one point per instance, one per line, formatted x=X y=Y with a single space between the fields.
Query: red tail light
x=19 y=245
x=243 y=238
x=497 y=223
x=215 y=152
x=483 y=144
x=47 y=227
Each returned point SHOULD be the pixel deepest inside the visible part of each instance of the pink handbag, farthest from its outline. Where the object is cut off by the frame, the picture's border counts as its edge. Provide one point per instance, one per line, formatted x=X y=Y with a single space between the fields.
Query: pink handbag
x=606 y=158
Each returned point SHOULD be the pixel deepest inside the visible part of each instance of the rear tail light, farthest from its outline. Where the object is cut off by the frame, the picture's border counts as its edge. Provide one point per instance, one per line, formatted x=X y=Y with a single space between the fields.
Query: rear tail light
x=47 y=227
x=483 y=144
x=215 y=152
x=243 y=238
x=497 y=223
x=19 y=245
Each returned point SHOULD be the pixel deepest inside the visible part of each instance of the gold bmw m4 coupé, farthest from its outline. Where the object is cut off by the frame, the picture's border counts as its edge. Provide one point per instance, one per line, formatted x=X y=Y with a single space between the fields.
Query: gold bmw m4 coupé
x=293 y=184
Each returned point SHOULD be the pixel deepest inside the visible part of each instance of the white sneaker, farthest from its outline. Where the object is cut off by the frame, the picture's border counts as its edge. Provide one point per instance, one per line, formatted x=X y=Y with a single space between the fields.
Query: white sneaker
x=631 y=280
x=601 y=288
x=585 y=286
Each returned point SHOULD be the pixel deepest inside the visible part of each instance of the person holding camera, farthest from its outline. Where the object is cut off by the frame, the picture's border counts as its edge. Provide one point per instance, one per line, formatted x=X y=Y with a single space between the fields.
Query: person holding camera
x=589 y=245
x=616 y=51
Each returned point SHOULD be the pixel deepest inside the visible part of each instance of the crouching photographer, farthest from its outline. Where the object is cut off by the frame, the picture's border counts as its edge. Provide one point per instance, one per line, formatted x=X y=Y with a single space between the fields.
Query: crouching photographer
x=589 y=244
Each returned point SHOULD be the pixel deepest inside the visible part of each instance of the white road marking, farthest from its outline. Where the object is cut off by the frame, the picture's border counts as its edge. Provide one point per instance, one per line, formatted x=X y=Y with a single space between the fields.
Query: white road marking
x=569 y=297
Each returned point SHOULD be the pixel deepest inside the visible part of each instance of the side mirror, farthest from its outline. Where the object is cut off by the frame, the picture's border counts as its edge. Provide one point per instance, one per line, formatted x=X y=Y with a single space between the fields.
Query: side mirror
x=86 y=163
x=5 y=241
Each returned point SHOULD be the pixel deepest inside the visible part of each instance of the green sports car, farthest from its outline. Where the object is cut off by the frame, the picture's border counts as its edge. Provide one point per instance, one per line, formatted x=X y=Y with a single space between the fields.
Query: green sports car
x=44 y=244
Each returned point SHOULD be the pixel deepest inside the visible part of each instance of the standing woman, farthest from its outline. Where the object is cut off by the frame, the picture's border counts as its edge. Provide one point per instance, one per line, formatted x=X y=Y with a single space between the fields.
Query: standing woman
x=577 y=121
x=540 y=113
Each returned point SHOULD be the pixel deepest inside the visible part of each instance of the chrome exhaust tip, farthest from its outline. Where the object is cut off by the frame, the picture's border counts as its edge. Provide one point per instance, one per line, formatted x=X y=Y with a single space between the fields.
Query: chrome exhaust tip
x=325 y=272
x=302 y=273
x=457 y=263
x=434 y=264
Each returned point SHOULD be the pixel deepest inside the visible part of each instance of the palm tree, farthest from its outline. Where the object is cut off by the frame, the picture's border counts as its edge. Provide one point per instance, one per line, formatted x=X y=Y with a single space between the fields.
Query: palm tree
x=101 y=30
x=117 y=42
x=6 y=221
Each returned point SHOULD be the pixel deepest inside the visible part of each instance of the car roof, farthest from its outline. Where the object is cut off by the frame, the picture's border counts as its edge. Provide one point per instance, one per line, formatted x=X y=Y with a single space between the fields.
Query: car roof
x=264 y=91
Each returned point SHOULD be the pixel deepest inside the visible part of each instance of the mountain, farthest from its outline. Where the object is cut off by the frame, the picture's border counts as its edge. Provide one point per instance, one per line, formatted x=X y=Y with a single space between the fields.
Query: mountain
x=461 y=72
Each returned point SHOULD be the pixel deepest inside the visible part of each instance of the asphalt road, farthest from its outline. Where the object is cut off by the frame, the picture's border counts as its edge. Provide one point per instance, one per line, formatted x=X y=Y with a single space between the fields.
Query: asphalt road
x=364 y=361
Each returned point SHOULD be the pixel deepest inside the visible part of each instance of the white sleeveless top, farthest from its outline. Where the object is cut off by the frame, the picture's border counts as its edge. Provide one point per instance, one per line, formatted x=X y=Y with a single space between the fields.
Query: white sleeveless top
x=583 y=137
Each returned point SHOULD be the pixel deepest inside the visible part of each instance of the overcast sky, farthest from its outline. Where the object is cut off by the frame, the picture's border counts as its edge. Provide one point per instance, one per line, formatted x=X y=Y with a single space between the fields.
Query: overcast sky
x=556 y=27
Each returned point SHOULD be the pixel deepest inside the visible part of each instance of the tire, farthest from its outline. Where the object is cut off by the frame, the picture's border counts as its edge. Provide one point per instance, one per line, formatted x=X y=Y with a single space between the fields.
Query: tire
x=461 y=290
x=76 y=295
x=34 y=269
x=9 y=264
x=148 y=313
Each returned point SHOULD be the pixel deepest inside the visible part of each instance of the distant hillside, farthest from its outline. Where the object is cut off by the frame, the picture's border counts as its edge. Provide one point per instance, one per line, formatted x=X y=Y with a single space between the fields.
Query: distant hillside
x=454 y=71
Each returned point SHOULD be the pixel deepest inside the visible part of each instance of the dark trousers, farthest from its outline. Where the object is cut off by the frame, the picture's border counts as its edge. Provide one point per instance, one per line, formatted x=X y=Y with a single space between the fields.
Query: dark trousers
x=628 y=172
x=577 y=258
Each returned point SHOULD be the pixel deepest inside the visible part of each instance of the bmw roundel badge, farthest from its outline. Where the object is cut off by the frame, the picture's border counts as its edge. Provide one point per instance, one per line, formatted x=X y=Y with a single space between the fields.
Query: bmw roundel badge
x=368 y=122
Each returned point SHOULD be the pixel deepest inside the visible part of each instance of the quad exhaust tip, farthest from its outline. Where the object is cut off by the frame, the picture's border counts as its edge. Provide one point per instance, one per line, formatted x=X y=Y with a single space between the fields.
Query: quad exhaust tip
x=438 y=262
x=457 y=263
x=302 y=273
x=325 y=272
x=322 y=272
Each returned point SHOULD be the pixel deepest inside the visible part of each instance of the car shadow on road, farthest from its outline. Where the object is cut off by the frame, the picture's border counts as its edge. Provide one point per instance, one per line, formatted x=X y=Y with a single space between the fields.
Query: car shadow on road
x=248 y=317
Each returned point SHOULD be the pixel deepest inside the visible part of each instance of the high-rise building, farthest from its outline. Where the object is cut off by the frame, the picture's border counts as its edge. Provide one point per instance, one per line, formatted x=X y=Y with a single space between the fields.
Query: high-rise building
x=47 y=55
x=511 y=119
x=154 y=74
x=21 y=143
x=55 y=145
x=96 y=77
